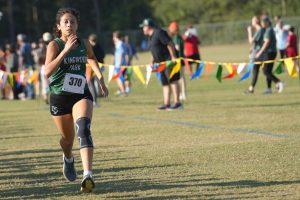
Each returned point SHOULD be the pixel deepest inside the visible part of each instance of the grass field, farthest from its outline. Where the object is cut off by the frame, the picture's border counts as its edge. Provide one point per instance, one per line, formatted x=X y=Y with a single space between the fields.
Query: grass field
x=223 y=145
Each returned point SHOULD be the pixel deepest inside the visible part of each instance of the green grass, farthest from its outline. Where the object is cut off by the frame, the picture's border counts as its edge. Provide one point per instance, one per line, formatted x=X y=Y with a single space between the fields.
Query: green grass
x=223 y=145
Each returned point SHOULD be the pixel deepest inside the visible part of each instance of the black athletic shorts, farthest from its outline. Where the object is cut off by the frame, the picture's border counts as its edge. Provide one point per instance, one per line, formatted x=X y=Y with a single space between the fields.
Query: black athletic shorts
x=63 y=104
x=164 y=75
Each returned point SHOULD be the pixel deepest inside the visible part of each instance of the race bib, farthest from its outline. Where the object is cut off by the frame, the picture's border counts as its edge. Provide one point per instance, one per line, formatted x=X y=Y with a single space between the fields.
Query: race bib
x=74 y=83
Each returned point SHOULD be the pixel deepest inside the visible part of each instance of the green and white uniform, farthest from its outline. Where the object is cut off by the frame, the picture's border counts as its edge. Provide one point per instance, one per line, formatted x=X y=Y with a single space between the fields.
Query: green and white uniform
x=69 y=77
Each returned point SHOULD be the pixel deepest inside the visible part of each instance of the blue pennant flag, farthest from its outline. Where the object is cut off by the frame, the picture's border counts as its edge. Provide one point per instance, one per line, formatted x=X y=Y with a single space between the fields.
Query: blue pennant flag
x=198 y=72
x=247 y=74
x=158 y=76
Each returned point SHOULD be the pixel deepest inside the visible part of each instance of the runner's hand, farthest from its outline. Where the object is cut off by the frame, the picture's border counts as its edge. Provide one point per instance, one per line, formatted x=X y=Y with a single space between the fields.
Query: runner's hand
x=71 y=43
x=103 y=89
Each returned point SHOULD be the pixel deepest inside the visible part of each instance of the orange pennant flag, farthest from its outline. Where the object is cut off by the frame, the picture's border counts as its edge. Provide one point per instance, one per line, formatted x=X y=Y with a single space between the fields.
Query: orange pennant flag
x=208 y=69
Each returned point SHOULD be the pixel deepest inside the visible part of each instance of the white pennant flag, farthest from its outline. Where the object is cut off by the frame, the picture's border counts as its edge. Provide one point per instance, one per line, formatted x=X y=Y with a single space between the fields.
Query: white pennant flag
x=111 y=71
x=241 y=67
x=148 y=75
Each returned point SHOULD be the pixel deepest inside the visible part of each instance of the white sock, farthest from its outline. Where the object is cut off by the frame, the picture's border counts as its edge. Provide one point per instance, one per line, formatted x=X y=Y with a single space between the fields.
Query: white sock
x=87 y=172
x=69 y=160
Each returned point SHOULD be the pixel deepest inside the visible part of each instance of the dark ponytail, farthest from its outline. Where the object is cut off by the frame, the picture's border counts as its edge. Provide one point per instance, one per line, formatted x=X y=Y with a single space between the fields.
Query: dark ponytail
x=59 y=14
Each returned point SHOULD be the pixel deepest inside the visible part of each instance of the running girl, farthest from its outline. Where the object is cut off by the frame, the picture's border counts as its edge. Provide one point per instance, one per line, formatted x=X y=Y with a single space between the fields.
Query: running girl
x=70 y=99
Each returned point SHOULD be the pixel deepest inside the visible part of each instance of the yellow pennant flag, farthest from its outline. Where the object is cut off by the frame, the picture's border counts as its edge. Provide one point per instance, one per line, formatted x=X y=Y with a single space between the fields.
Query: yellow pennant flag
x=33 y=76
x=176 y=68
x=11 y=79
x=290 y=65
x=229 y=68
x=139 y=74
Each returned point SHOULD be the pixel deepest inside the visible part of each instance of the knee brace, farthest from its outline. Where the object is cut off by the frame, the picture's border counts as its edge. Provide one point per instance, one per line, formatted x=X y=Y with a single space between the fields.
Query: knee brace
x=83 y=125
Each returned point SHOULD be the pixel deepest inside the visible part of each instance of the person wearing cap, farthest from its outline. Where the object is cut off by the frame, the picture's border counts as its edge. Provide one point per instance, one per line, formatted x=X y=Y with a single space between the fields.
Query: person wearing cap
x=269 y=47
x=179 y=48
x=162 y=49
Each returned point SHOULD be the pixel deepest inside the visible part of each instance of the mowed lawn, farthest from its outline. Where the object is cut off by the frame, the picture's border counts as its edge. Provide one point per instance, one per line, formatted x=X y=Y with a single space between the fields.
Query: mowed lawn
x=223 y=145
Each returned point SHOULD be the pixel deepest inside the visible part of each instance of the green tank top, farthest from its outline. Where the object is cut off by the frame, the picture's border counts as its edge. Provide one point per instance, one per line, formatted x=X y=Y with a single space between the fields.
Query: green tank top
x=69 y=78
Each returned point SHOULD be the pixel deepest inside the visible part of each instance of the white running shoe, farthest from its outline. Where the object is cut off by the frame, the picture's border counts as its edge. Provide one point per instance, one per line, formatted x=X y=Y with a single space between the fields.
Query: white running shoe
x=280 y=87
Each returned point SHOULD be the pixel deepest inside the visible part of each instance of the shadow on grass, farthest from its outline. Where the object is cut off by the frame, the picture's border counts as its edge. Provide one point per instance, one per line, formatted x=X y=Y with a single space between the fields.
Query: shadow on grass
x=29 y=184
x=110 y=187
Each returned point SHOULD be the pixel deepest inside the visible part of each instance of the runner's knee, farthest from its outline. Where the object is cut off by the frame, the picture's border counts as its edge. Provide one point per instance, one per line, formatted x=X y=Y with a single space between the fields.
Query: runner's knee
x=83 y=132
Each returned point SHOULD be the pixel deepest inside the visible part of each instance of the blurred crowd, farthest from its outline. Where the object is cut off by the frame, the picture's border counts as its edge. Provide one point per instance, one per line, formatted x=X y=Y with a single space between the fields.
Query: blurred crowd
x=266 y=42
x=21 y=60
x=25 y=64
x=25 y=60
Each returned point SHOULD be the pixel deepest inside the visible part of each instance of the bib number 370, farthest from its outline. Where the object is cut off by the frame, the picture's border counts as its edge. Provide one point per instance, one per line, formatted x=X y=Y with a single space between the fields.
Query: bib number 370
x=74 y=83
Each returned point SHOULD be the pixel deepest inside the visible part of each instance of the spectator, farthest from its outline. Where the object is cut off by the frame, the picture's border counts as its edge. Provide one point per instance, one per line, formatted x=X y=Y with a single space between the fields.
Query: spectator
x=26 y=63
x=98 y=50
x=179 y=48
x=131 y=53
x=191 y=42
x=162 y=49
x=47 y=38
x=256 y=41
x=269 y=47
x=281 y=36
x=291 y=45
x=145 y=45
x=120 y=59
x=12 y=63
x=93 y=81
x=2 y=68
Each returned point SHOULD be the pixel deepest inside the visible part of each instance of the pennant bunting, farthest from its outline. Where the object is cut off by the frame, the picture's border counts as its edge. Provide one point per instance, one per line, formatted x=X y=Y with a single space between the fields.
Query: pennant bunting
x=148 y=75
x=176 y=68
x=247 y=74
x=33 y=77
x=279 y=69
x=241 y=68
x=158 y=76
x=229 y=68
x=208 y=69
x=291 y=68
x=111 y=71
x=119 y=73
x=198 y=72
x=160 y=68
x=129 y=73
x=188 y=66
x=11 y=80
x=219 y=73
x=138 y=73
x=233 y=72
x=3 y=80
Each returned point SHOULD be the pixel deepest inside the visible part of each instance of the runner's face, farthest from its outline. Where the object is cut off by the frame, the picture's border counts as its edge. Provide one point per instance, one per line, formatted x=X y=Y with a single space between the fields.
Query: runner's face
x=68 y=24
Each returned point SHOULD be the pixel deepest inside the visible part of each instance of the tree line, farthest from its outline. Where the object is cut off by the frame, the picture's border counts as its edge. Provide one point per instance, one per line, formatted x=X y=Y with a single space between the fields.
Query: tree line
x=33 y=17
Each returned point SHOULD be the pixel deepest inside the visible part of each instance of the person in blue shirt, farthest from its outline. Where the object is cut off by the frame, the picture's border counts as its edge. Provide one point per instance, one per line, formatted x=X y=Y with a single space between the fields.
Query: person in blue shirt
x=120 y=59
x=26 y=62
x=281 y=37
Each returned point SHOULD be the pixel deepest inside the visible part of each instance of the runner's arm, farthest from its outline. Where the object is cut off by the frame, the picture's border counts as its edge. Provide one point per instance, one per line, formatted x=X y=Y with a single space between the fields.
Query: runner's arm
x=54 y=58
